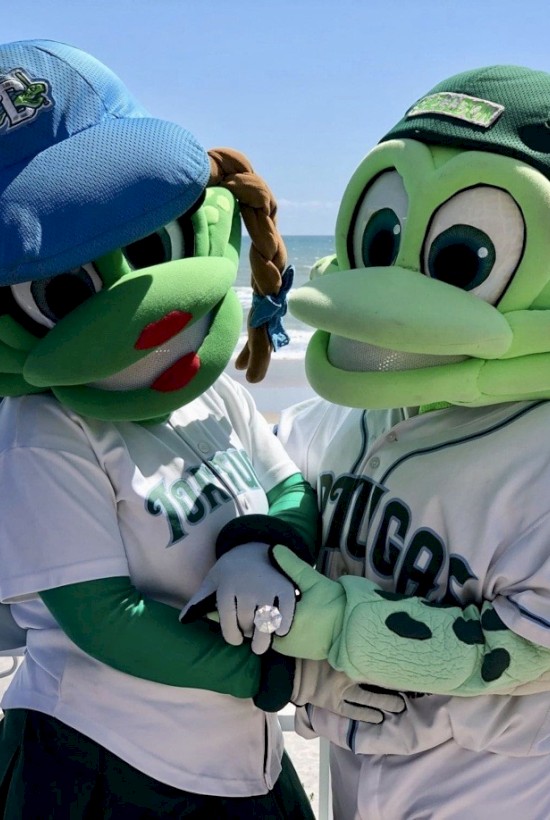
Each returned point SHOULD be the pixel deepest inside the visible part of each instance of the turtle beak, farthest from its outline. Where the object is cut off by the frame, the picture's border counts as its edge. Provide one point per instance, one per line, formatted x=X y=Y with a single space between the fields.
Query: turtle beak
x=402 y=310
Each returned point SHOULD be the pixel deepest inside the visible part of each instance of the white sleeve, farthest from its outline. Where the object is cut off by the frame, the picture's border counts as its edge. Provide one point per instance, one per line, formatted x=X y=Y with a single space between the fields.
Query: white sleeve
x=269 y=459
x=306 y=430
x=519 y=580
x=58 y=524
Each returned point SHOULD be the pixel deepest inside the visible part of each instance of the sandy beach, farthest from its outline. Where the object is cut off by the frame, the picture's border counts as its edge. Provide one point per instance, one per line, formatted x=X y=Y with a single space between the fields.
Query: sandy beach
x=285 y=384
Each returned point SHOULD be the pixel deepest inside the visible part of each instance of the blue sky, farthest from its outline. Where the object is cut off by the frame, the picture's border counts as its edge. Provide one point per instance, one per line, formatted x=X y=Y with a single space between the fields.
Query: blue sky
x=305 y=87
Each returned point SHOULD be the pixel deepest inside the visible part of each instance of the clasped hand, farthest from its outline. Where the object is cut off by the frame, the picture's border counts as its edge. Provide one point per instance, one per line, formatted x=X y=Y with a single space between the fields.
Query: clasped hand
x=238 y=584
x=245 y=579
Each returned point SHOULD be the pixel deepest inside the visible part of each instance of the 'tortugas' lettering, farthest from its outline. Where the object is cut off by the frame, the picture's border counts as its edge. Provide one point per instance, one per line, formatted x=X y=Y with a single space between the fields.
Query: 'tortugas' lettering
x=187 y=500
x=415 y=558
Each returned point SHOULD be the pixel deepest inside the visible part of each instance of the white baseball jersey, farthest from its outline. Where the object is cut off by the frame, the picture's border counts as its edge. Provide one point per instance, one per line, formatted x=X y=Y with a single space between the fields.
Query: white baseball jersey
x=84 y=499
x=452 y=506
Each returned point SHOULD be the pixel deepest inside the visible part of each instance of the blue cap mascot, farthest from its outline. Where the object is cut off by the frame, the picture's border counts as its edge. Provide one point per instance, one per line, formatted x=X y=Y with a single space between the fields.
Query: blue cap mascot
x=125 y=451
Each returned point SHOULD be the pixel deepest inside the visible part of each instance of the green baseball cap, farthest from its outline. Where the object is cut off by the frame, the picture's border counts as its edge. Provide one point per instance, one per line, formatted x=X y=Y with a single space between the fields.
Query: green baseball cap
x=503 y=109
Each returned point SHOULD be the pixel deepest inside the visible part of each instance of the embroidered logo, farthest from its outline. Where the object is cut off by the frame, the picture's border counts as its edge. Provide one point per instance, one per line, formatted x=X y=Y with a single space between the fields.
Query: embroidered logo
x=21 y=99
x=459 y=107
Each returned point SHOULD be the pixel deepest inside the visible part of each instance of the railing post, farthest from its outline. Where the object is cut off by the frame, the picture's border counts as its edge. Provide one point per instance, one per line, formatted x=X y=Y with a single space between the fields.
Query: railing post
x=286 y=719
x=325 y=791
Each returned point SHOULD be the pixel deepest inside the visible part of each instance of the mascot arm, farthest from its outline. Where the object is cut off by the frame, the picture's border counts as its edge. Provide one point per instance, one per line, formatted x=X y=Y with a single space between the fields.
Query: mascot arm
x=405 y=643
x=243 y=579
x=292 y=520
x=295 y=501
x=111 y=621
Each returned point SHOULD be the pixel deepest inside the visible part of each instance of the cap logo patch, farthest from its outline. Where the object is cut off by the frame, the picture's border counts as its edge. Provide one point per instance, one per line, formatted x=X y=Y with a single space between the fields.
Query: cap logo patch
x=21 y=99
x=458 y=107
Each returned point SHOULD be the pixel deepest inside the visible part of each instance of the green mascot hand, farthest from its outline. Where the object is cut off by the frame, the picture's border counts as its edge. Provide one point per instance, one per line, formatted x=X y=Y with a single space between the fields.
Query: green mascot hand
x=319 y=614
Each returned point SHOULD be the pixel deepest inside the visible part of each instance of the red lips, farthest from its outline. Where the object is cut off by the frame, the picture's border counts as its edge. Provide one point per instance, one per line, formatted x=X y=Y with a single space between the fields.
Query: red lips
x=157 y=333
x=178 y=375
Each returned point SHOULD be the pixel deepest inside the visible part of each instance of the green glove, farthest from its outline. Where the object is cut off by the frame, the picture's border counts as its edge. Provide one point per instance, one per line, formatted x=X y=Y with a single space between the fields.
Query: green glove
x=404 y=642
x=319 y=615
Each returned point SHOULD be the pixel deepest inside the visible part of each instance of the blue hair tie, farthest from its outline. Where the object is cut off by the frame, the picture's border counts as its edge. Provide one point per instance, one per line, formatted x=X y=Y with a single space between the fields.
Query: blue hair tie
x=269 y=311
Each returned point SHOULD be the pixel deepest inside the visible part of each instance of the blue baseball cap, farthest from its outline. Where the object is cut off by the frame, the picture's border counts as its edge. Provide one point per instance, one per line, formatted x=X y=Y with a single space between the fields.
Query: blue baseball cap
x=84 y=168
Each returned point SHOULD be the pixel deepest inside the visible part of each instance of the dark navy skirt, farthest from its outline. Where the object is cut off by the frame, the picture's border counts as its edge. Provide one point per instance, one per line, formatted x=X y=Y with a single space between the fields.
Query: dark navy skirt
x=50 y=771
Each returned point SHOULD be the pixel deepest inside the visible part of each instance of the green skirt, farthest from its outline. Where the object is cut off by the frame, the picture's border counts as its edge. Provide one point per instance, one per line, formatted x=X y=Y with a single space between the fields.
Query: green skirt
x=48 y=770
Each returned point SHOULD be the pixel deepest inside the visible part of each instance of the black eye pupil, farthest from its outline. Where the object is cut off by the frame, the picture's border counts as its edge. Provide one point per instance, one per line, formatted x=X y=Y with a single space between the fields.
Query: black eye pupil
x=58 y=296
x=64 y=293
x=462 y=256
x=151 y=250
x=456 y=264
x=382 y=248
x=381 y=239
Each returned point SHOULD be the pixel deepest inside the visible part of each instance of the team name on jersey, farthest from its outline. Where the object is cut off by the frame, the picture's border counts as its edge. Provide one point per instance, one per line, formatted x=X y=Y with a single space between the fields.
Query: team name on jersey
x=362 y=521
x=187 y=500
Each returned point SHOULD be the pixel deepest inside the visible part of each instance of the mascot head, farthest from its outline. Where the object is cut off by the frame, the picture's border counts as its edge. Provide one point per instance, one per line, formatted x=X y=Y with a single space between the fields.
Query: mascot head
x=119 y=244
x=440 y=287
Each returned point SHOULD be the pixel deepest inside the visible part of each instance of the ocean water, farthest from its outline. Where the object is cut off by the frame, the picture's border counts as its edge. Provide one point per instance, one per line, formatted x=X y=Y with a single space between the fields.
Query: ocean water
x=302 y=251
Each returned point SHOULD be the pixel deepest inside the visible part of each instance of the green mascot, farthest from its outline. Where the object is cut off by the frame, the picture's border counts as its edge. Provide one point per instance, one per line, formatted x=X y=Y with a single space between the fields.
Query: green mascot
x=125 y=451
x=429 y=453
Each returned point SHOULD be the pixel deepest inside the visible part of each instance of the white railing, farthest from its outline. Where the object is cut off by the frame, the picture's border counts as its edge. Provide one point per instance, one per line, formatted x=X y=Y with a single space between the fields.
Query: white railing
x=286 y=719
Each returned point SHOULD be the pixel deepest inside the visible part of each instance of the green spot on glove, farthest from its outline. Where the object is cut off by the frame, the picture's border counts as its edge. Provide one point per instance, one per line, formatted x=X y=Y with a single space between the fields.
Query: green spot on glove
x=469 y=632
x=495 y=664
x=491 y=622
x=406 y=627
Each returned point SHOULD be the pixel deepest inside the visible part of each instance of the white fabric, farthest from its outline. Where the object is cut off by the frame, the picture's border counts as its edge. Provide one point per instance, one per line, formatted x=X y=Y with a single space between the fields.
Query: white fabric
x=445 y=783
x=417 y=504
x=84 y=499
x=317 y=682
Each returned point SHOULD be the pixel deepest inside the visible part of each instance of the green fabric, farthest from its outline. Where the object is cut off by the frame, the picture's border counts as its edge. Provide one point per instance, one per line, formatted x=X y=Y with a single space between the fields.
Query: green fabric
x=517 y=125
x=100 y=338
x=504 y=348
x=63 y=357
x=405 y=643
x=109 y=620
x=295 y=501
x=437 y=405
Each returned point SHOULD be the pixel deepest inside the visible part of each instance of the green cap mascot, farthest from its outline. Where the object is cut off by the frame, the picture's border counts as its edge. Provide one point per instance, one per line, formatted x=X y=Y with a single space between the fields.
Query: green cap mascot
x=125 y=450
x=432 y=331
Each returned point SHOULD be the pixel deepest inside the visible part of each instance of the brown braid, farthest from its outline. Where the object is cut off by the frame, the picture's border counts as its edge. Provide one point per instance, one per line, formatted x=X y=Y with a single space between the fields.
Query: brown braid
x=232 y=170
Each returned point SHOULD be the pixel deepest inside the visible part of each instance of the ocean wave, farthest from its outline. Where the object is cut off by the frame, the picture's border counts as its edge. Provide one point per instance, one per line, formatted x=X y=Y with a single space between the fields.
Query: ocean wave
x=245 y=296
x=295 y=349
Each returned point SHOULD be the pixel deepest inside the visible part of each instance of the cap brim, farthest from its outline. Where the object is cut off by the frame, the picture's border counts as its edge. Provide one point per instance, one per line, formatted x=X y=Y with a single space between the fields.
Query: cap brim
x=97 y=190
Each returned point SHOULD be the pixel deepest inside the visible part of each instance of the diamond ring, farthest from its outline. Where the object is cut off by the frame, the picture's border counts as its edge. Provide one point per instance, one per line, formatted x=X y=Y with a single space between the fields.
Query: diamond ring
x=267 y=618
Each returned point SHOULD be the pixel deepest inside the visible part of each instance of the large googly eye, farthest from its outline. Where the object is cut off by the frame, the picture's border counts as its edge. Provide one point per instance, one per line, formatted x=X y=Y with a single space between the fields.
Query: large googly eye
x=475 y=242
x=170 y=242
x=379 y=220
x=46 y=301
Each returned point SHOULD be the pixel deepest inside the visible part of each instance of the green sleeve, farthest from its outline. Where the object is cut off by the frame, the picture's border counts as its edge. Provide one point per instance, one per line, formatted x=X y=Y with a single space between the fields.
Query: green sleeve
x=404 y=642
x=295 y=502
x=409 y=643
x=111 y=621
x=292 y=520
